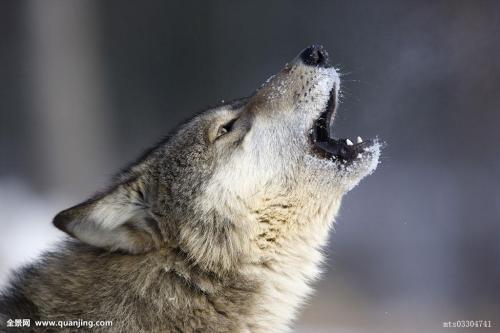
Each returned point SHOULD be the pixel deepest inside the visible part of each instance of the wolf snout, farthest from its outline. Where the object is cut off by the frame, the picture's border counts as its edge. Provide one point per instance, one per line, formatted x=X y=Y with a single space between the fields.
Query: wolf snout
x=315 y=55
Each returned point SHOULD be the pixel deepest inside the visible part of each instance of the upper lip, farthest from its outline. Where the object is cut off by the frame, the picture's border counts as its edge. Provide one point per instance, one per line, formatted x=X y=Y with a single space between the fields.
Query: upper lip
x=324 y=145
x=321 y=127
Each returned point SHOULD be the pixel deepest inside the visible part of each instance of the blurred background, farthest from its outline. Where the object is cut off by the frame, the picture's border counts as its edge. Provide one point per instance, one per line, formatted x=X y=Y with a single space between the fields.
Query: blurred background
x=85 y=86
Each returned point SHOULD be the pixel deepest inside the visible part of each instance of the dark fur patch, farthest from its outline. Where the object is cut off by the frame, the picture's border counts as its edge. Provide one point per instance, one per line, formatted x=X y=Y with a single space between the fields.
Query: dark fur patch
x=14 y=303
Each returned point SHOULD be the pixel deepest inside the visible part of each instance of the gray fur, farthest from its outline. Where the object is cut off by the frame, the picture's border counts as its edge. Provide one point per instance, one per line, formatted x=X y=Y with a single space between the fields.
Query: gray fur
x=209 y=231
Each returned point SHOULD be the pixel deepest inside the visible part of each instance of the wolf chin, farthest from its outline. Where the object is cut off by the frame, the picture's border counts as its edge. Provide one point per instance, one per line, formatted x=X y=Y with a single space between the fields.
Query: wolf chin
x=219 y=228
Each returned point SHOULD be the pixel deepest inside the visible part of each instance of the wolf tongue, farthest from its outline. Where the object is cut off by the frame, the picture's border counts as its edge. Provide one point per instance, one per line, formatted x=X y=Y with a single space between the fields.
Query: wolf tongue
x=337 y=148
x=331 y=146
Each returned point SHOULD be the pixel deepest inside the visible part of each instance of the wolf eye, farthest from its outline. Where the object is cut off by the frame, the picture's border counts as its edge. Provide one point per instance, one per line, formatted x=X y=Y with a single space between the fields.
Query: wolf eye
x=226 y=128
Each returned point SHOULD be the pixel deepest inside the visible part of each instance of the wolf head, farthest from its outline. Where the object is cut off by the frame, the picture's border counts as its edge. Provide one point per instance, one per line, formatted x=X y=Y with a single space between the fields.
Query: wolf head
x=237 y=184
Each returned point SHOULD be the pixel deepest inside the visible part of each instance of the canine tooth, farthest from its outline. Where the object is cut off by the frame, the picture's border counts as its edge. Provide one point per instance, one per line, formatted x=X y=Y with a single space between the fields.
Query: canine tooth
x=359 y=140
x=359 y=156
x=348 y=142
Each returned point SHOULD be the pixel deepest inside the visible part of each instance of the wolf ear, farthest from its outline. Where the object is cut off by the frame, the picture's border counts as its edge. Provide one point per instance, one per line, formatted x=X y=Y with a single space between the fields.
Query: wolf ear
x=119 y=219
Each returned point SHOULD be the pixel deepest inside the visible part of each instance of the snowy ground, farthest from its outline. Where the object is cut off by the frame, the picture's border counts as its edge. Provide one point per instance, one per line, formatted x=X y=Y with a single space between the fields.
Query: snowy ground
x=25 y=221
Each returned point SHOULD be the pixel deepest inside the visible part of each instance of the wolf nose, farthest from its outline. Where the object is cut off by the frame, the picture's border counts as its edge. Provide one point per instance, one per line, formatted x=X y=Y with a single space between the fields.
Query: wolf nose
x=315 y=55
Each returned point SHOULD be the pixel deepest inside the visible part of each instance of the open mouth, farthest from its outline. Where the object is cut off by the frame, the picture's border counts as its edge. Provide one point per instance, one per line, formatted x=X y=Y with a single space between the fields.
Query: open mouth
x=328 y=147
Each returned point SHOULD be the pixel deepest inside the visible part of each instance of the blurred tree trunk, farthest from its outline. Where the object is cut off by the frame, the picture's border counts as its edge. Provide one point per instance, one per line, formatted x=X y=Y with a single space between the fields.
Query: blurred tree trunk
x=71 y=130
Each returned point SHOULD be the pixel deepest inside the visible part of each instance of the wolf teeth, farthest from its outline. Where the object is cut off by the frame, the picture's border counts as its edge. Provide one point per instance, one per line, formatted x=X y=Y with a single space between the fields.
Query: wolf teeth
x=359 y=140
x=348 y=142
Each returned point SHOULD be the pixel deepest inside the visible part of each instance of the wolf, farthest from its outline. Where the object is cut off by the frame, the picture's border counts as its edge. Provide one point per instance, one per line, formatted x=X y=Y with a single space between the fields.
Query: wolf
x=218 y=228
